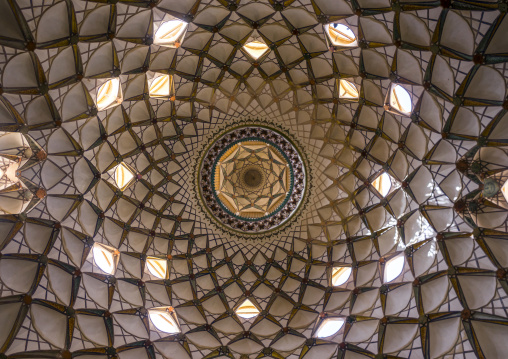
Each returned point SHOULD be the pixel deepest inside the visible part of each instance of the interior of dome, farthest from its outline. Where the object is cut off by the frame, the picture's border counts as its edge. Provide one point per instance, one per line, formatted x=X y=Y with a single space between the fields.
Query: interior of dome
x=300 y=179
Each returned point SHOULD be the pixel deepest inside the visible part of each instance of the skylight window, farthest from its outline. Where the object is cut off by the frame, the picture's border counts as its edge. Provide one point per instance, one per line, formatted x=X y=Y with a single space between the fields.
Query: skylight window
x=329 y=327
x=256 y=49
x=109 y=94
x=347 y=90
x=400 y=100
x=340 y=275
x=393 y=268
x=164 y=319
x=123 y=176
x=105 y=257
x=504 y=191
x=161 y=86
x=170 y=33
x=341 y=35
x=383 y=184
x=247 y=310
x=157 y=267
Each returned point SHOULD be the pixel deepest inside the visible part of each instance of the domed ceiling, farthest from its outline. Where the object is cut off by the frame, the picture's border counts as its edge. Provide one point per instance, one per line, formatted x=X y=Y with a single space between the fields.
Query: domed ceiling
x=361 y=203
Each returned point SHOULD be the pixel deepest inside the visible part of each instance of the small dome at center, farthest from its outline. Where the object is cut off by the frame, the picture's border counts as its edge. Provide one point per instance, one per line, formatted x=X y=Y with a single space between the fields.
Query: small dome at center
x=252 y=177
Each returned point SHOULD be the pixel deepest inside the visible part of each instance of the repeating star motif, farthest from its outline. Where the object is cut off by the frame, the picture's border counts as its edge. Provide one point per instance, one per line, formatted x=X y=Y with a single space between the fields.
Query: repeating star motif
x=274 y=184
x=413 y=90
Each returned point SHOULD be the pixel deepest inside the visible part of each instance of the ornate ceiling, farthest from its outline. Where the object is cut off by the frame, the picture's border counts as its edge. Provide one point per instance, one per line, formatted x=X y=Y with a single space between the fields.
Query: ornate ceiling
x=399 y=109
x=252 y=181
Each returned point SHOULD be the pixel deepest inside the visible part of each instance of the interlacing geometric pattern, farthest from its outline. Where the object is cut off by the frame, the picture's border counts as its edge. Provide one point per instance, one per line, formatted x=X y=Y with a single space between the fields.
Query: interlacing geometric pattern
x=401 y=107
x=251 y=179
x=258 y=172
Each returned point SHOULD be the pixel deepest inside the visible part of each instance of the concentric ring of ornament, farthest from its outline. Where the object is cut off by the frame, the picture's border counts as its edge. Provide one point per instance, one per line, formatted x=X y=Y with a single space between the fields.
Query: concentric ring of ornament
x=271 y=199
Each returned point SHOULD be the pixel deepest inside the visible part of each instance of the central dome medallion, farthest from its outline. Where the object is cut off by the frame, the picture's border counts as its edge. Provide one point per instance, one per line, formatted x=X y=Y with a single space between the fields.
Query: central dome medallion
x=252 y=179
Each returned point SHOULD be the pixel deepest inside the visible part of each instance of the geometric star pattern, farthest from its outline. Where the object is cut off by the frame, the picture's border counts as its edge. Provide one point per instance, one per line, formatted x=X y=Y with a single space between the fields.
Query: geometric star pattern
x=269 y=180
x=413 y=89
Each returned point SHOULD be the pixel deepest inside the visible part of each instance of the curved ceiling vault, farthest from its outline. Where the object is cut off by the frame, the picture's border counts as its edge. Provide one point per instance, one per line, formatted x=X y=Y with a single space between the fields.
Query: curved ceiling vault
x=399 y=110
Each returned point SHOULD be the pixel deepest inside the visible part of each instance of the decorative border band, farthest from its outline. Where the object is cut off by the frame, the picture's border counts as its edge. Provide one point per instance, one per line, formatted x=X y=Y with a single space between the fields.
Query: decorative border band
x=304 y=185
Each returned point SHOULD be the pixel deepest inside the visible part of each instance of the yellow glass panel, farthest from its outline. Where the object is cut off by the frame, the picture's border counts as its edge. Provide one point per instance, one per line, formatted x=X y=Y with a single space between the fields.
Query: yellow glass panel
x=105 y=257
x=247 y=310
x=108 y=94
x=347 y=90
x=400 y=99
x=340 y=275
x=170 y=33
x=504 y=191
x=157 y=267
x=164 y=319
x=382 y=184
x=341 y=35
x=123 y=176
x=256 y=49
x=161 y=86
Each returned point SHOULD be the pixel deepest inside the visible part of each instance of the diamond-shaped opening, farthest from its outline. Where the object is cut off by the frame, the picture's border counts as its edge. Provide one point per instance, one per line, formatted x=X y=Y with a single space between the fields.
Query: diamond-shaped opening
x=340 y=275
x=256 y=49
x=109 y=94
x=329 y=327
x=340 y=35
x=122 y=176
x=383 y=184
x=347 y=90
x=504 y=191
x=170 y=33
x=247 y=310
x=164 y=319
x=161 y=86
x=105 y=257
x=158 y=267
x=393 y=268
x=399 y=100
